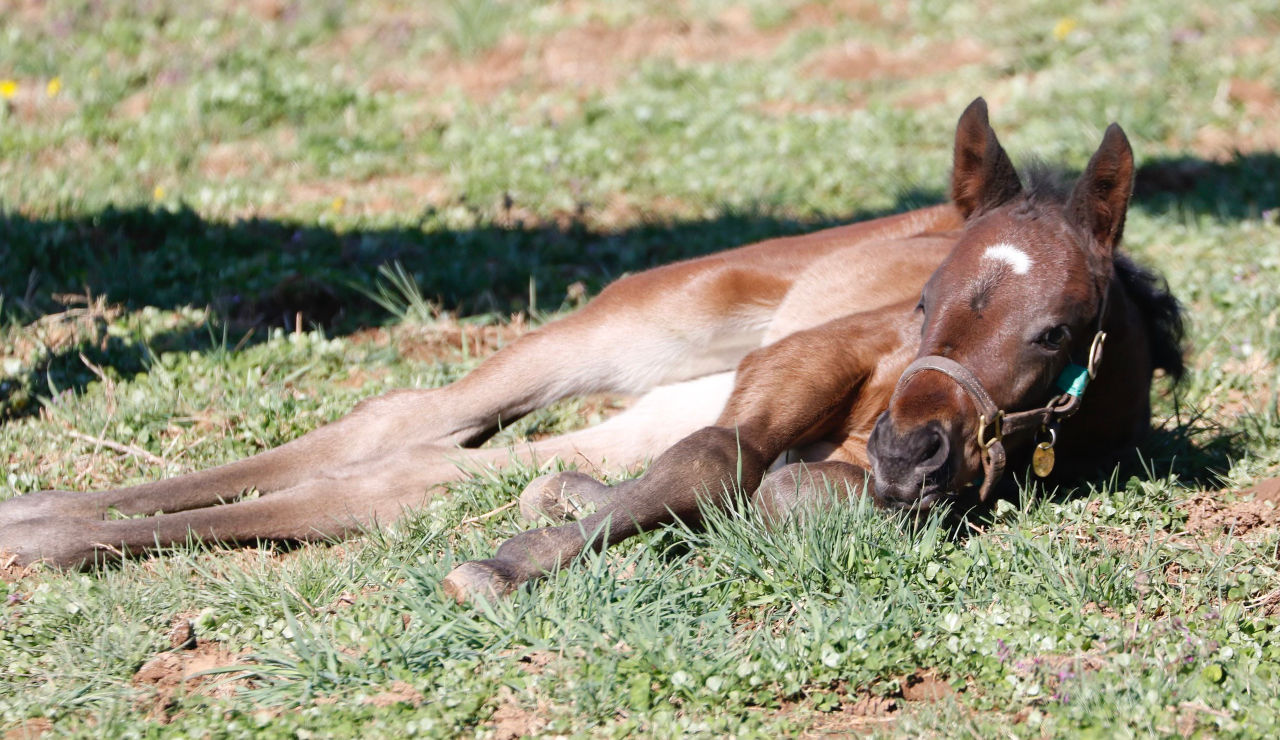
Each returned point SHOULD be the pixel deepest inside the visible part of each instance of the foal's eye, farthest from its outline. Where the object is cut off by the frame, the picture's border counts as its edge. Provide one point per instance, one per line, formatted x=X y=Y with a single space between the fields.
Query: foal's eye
x=1054 y=338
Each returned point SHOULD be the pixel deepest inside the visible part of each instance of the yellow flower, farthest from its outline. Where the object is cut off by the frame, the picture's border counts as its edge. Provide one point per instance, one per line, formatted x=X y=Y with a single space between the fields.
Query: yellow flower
x=158 y=193
x=1063 y=28
x=337 y=204
x=53 y=87
x=8 y=88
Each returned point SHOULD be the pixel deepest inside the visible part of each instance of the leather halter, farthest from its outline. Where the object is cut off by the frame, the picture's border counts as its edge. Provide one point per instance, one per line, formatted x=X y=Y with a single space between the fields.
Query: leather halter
x=993 y=423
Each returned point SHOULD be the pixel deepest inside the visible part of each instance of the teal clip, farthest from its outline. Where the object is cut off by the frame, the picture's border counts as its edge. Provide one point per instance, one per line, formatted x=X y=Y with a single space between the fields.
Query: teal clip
x=1073 y=380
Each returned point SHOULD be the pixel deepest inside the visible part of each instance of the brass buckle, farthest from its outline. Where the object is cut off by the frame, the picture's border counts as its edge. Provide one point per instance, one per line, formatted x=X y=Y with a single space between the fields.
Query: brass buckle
x=985 y=443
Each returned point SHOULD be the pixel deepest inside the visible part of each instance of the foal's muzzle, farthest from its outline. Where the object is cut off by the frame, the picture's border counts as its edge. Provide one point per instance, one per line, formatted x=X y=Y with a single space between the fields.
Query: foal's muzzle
x=911 y=469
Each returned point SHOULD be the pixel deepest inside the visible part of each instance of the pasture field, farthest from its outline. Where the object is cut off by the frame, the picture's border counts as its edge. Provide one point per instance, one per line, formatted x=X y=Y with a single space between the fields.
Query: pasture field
x=200 y=202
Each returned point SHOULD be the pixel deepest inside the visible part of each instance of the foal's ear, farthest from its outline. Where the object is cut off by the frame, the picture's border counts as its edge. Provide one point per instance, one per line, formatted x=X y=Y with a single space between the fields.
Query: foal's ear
x=982 y=177
x=1101 y=197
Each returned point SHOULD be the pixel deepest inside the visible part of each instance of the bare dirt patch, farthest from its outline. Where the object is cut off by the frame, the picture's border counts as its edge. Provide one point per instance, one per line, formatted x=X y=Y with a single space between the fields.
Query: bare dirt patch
x=1251 y=46
x=781 y=108
x=398 y=693
x=862 y=716
x=925 y=686
x=621 y=210
x=1267 y=490
x=135 y=106
x=35 y=103
x=1257 y=131
x=267 y=10
x=858 y=61
x=11 y=572
x=1257 y=97
x=376 y=195
x=376 y=336
x=511 y=720
x=862 y=712
x=29 y=728
x=359 y=377
x=533 y=662
x=28 y=12
x=1257 y=507
x=236 y=159
x=182 y=633
x=170 y=674
x=595 y=56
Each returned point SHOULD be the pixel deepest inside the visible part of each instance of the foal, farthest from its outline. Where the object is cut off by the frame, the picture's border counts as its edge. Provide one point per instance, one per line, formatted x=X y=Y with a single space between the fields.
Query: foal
x=1007 y=337
x=789 y=349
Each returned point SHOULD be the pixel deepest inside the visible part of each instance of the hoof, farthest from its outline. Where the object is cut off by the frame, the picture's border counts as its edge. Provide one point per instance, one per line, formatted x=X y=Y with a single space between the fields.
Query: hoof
x=477 y=580
x=64 y=543
x=780 y=495
x=560 y=496
x=799 y=489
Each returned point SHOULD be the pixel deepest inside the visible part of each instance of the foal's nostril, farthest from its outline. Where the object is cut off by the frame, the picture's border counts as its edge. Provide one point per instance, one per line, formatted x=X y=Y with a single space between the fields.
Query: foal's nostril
x=909 y=466
x=933 y=442
x=935 y=450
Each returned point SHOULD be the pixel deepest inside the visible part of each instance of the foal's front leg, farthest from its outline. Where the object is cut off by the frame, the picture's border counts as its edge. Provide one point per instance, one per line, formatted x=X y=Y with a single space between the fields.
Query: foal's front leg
x=790 y=393
x=698 y=471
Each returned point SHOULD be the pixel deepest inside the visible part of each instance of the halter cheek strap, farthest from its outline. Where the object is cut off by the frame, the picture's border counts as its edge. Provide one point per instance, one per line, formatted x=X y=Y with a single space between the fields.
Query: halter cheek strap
x=989 y=441
x=993 y=423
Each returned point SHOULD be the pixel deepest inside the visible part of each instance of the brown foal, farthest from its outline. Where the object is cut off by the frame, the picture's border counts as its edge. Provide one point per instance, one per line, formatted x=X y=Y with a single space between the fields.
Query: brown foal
x=921 y=352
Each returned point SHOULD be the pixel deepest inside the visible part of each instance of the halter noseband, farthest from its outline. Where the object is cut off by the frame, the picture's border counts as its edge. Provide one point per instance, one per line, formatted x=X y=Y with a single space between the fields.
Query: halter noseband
x=994 y=424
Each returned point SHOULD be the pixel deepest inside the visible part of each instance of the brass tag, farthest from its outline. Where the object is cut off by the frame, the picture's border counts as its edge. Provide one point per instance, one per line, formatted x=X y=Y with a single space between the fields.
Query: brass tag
x=1042 y=459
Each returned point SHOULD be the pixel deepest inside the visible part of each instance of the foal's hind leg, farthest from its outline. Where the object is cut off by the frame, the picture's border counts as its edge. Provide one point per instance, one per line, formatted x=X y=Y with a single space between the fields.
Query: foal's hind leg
x=661 y=326
x=333 y=504
x=323 y=507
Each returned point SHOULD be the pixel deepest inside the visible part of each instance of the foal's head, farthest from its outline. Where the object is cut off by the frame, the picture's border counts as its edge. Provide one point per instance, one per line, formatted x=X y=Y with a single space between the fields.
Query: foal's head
x=1019 y=300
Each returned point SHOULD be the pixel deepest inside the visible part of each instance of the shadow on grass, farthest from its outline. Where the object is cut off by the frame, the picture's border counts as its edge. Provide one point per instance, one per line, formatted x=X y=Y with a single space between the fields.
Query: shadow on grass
x=1197 y=453
x=1246 y=187
x=262 y=273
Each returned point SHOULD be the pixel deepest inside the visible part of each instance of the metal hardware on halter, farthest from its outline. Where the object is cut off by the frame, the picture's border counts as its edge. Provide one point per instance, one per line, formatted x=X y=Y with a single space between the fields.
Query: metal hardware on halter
x=1072 y=381
x=1043 y=457
x=998 y=422
x=1095 y=352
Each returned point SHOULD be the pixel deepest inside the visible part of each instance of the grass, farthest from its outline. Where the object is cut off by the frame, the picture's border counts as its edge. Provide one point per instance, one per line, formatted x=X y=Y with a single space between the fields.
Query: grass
x=227 y=223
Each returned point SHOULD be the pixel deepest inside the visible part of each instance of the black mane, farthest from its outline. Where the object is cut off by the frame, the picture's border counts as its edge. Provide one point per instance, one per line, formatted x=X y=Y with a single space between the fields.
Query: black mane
x=1161 y=312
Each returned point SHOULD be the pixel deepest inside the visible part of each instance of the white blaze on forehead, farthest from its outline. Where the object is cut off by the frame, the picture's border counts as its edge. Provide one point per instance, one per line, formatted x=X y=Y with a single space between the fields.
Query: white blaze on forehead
x=1017 y=259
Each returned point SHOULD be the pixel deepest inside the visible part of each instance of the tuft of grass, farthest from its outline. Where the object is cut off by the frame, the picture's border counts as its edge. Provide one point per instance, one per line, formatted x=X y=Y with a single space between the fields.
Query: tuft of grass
x=397 y=293
x=473 y=27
